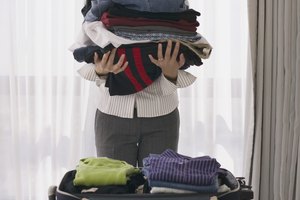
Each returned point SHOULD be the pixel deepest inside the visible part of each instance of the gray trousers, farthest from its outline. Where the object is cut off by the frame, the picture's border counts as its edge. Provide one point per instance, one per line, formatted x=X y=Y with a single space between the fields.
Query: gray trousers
x=133 y=139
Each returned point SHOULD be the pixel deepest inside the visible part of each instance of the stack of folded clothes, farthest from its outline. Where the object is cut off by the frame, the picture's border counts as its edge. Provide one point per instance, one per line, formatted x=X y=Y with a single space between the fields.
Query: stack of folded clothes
x=104 y=176
x=135 y=28
x=171 y=172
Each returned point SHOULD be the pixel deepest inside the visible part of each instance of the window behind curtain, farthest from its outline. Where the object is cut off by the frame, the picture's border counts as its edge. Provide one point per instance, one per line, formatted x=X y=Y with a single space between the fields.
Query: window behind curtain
x=212 y=110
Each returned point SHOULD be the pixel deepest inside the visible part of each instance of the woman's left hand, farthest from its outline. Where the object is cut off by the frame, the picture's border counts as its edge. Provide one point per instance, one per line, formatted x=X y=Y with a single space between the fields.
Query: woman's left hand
x=169 y=63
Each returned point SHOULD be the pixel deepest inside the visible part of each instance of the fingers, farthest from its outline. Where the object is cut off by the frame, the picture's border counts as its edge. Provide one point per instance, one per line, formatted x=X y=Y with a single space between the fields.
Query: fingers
x=96 y=58
x=154 y=61
x=169 y=55
x=168 y=50
x=159 y=51
x=120 y=66
x=105 y=58
x=121 y=60
x=175 y=51
x=181 y=60
x=106 y=64
x=163 y=61
x=111 y=58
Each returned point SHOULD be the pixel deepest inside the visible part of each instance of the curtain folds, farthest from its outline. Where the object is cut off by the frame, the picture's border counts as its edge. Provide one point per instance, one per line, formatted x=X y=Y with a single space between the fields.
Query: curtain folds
x=274 y=40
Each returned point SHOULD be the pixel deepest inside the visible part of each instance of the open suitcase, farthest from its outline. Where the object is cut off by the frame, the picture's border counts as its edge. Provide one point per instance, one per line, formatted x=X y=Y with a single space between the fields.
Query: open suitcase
x=238 y=191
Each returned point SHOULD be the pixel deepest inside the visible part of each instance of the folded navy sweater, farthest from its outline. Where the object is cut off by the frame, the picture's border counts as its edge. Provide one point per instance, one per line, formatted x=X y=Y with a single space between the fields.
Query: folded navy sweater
x=140 y=72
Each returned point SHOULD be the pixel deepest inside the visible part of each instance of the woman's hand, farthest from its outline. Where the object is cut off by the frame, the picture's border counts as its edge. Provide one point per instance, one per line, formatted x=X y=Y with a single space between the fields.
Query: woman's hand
x=106 y=64
x=169 y=63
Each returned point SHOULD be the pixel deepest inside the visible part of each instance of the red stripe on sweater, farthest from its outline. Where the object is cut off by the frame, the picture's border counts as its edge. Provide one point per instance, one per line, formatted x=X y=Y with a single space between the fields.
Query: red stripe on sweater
x=140 y=67
x=128 y=72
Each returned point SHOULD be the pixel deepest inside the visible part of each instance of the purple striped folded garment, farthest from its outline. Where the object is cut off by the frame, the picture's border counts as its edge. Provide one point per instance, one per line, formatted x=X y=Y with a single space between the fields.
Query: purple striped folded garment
x=173 y=167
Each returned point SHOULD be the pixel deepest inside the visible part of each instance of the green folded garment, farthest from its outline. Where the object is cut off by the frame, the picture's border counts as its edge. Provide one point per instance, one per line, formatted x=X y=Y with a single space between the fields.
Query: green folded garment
x=103 y=171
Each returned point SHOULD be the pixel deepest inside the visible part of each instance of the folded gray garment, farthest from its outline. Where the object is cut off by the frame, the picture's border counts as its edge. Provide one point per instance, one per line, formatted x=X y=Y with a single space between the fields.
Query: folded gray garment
x=152 y=29
x=156 y=36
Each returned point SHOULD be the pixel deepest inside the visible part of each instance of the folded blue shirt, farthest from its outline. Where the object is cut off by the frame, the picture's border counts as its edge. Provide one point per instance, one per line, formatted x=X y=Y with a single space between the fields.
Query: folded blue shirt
x=99 y=6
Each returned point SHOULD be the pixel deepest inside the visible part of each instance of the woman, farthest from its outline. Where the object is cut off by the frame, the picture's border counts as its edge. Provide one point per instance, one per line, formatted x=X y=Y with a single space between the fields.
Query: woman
x=130 y=127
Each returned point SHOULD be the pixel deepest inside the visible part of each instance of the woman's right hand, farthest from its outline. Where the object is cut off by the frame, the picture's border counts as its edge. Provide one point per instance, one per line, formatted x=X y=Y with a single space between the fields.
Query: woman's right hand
x=106 y=64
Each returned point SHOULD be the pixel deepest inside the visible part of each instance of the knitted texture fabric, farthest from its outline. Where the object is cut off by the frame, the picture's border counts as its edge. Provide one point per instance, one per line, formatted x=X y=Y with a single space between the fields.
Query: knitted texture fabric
x=103 y=171
x=140 y=72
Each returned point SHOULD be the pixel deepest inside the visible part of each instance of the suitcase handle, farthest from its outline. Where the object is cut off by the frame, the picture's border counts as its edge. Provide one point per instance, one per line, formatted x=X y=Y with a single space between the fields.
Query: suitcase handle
x=52 y=192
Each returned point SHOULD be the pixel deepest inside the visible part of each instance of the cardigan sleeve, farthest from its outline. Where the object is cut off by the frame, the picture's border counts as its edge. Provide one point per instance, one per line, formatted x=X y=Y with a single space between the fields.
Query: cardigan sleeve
x=88 y=72
x=184 y=79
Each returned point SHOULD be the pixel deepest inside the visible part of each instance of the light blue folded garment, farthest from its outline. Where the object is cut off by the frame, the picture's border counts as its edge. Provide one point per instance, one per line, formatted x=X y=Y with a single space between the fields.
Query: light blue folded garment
x=97 y=9
x=100 y=6
x=155 y=5
x=196 y=188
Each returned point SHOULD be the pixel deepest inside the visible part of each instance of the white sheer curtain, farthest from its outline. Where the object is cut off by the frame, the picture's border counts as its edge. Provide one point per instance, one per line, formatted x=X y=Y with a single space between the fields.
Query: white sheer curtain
x=43 y=102
x=213 y=109
x=47 y=110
